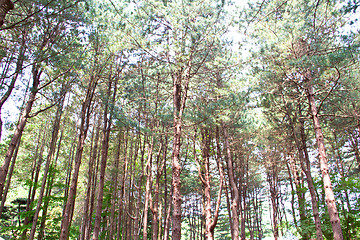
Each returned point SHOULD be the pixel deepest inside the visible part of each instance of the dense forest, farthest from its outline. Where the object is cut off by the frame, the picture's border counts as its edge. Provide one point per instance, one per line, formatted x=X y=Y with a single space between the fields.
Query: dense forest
x=179 y=119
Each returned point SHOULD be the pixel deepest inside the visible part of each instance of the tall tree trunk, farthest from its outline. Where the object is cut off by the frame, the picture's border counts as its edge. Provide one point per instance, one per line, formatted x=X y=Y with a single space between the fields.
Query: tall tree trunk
x=179 y=101
x=34 y=178
x=304 y=156
x=233 y=188
x=84 y=125
x=329 y=194
x=120 y=224
x=156 y=208
x=115 y=192
x=92 y=162
x=206 y=183
x=20 y=127
x=272 y=178
x=19 y=66
x=136 y=232
x=104 y=156
x=148 y=173
x=306 y=168
x=8 y=182
x=52 y=148
x=49 y=189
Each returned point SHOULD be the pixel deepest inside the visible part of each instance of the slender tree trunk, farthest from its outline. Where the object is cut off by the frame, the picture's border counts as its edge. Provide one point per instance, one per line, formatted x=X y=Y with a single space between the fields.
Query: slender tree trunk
x=234 y=189
x=94 y=183
x=52 y=148
x=94 y=151
x=19 y=65
x=179 y=101
x=20 y=127
x=120 y=224
x=136 y=232
x=305 y=166
x=34 y=178
x=148 y=172
x=84 y=125
x=49 y=189
x=115 y=192
x=168 y=213
x=272 y=179
x=104 y=156
x=329 y=194
x=299 y=194
x=155 y=203
x=206 y=183
x=176 y=231
x=8 y=182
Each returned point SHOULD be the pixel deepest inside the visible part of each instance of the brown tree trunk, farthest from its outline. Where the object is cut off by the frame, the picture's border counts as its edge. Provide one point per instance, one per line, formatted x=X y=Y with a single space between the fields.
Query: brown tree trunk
x=306 y=168
x=49 y=189
x=155 y=204
x=49 y=159
x=136 y=232
x=148 y=173
x=121 y=221
x=304 y=156
x=206 y=183
x=8 y=182
x=272 y=178
x=20 y=127
x=92 y=160
x=84 y=125
x=233 y=188
x=103 y=162
x=115 y=191
x=329 y=194
x=34 y=178
x=168 y=209
x=19 y=66
x=180 y=90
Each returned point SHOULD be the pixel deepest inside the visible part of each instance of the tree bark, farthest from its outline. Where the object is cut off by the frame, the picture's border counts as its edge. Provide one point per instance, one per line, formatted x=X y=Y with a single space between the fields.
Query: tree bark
x=20 y=127
x=115 y=191
x=104 y=156
x=49 y=159
x=148 y=173
x=84 y=125
x=306 y=168
x=329 y=194
x=93 y=151
x=19 y=65
x=233 y=188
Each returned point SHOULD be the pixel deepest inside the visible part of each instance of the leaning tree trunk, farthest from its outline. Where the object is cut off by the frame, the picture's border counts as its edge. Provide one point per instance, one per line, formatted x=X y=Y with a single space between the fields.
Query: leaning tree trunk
x=20 y=127
x=304 y=156
x=49 y=159
x=305 y=166
x=19 y=66
x=84 y=125
x=329 y=193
